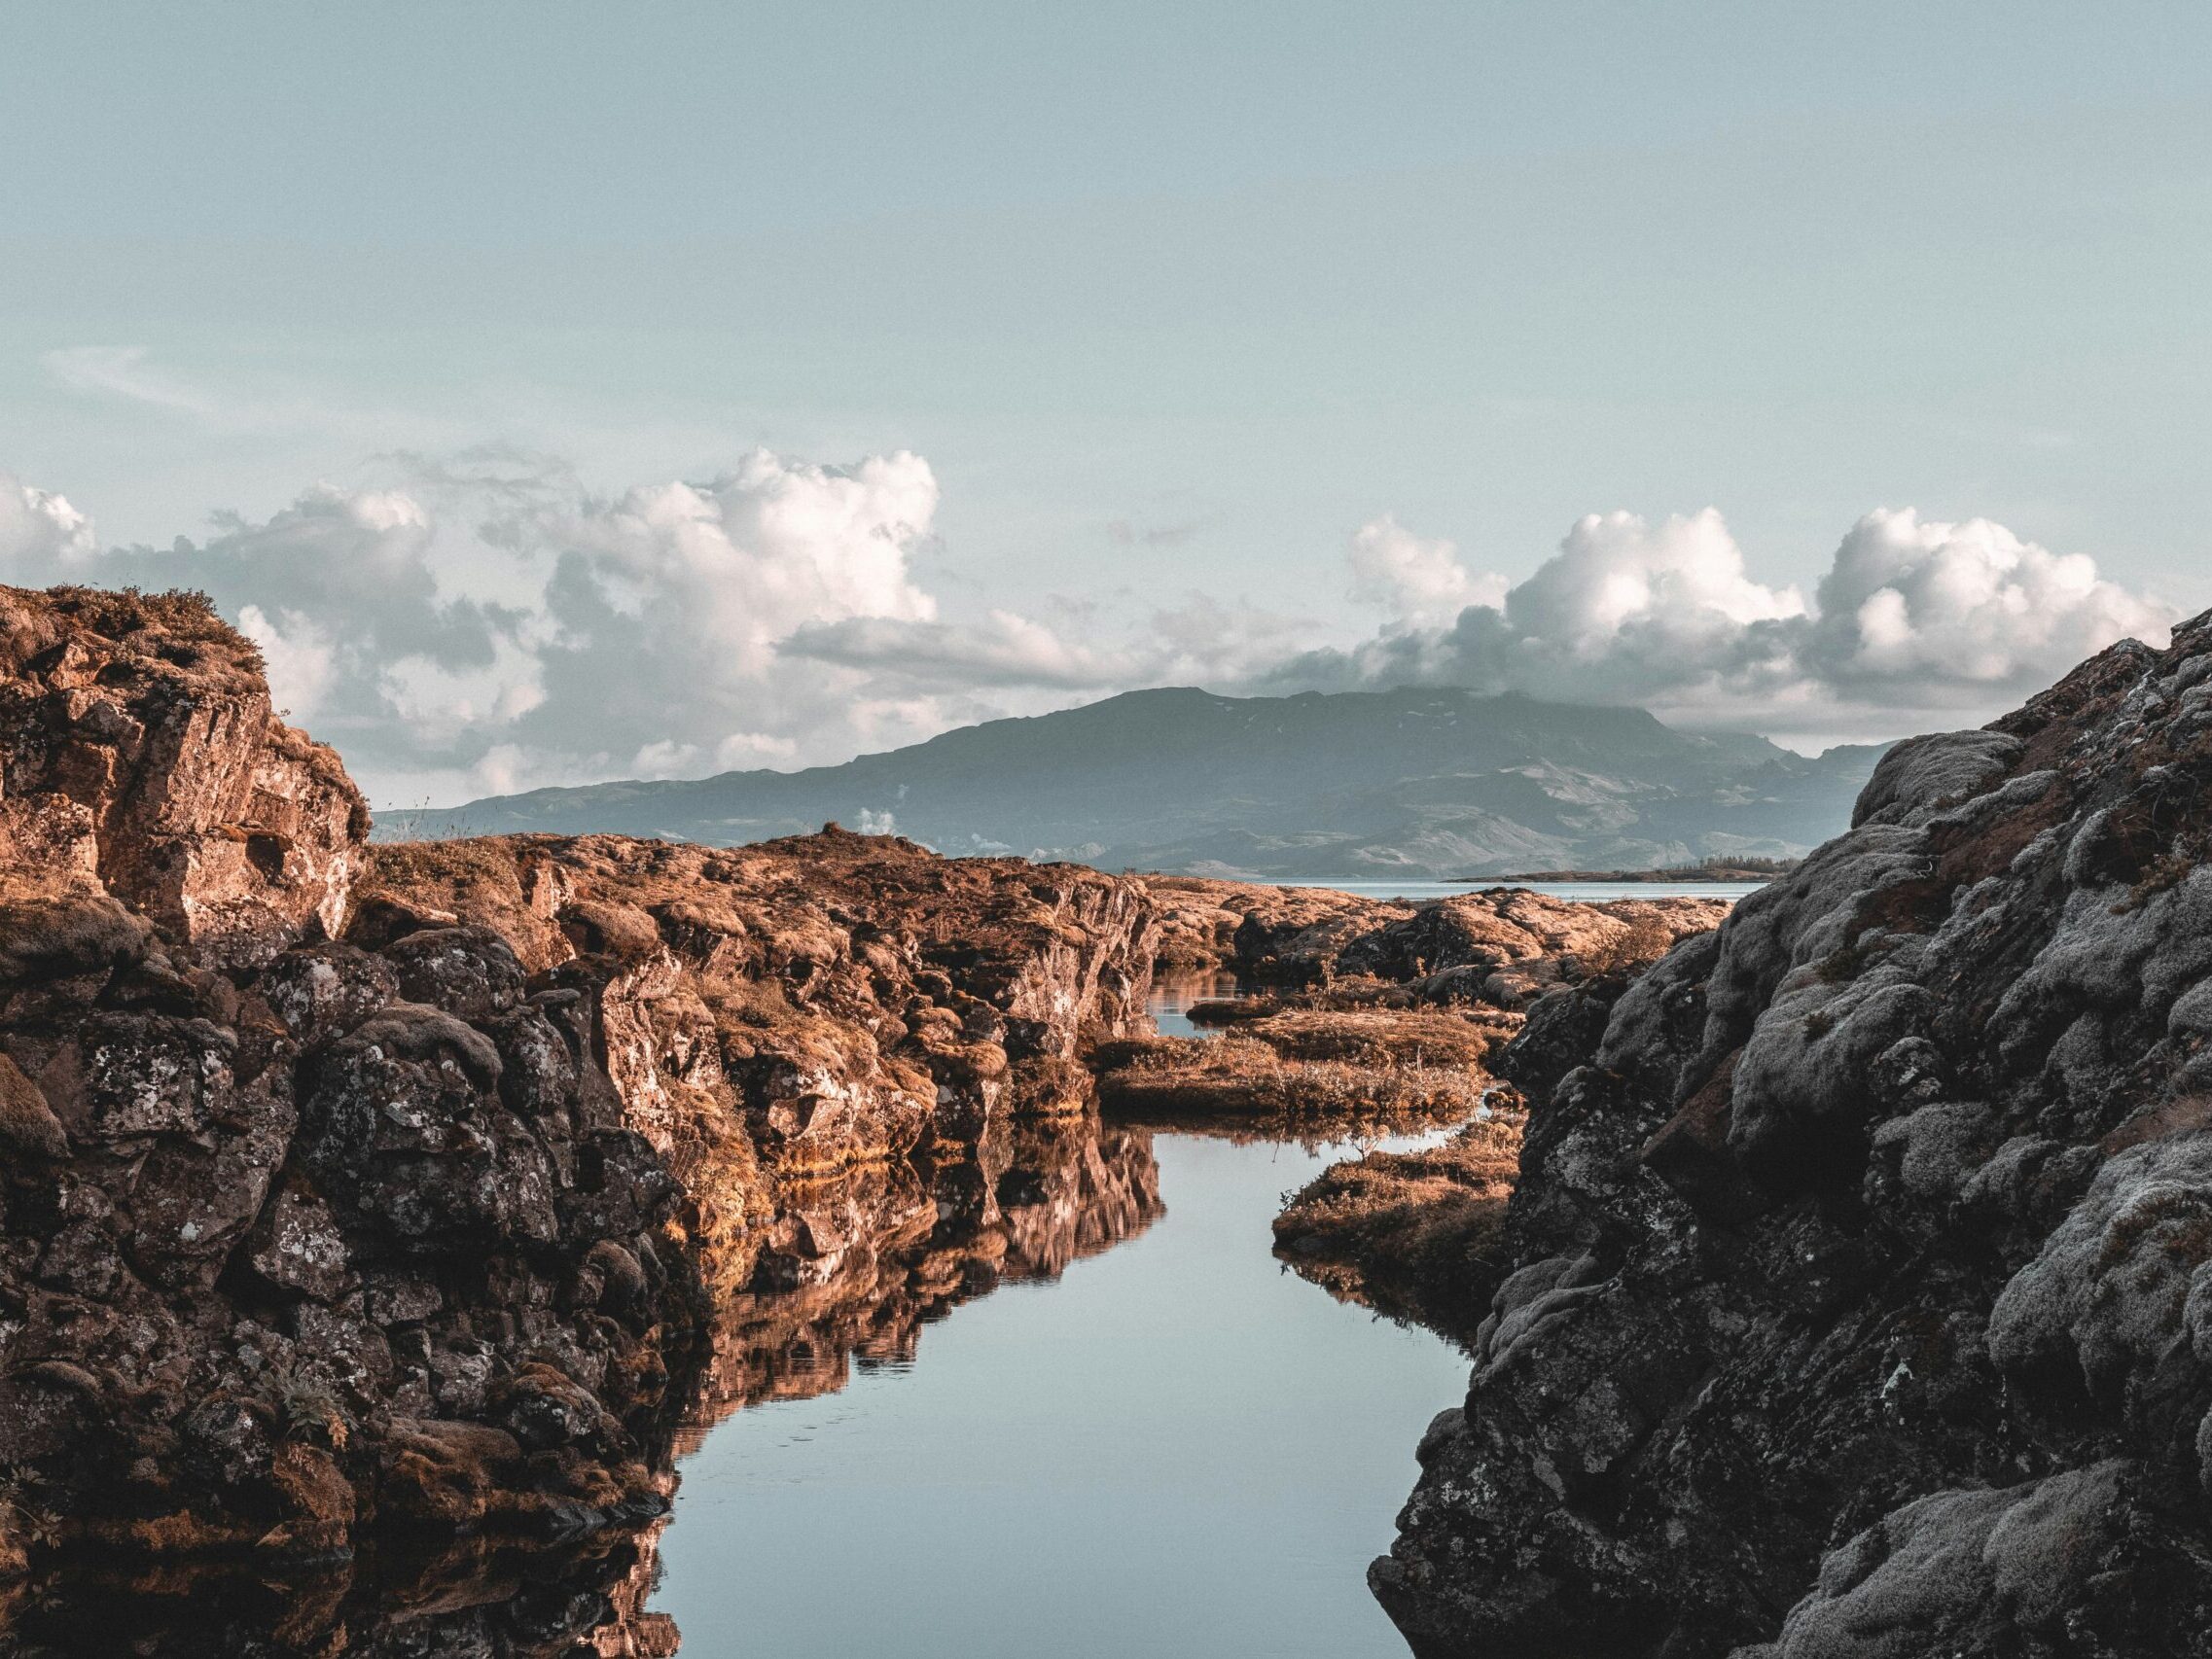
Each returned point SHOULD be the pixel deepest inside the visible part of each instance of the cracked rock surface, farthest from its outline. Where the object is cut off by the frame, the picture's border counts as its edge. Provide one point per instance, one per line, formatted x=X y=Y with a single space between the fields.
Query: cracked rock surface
x=1862 y=1289
x=367 y=1214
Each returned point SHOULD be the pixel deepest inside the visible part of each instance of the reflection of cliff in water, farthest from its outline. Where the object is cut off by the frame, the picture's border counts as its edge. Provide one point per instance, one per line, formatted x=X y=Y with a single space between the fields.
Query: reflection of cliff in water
x=855 y=1267
x=847 y=1273
x=474 y=1601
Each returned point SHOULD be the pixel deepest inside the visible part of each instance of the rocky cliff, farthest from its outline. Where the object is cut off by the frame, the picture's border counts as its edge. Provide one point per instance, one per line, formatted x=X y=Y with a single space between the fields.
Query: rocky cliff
x=790 y=1011
x=1862 y=1302
x=352 y=1205
x=299 y=1238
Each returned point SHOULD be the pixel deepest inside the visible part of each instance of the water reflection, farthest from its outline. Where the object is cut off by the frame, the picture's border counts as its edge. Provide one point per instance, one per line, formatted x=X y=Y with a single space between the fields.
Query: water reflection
x=474 y=1601
x=842 y=1281
x=856 y=1268
x=1178 y=1448
x=1175 y=993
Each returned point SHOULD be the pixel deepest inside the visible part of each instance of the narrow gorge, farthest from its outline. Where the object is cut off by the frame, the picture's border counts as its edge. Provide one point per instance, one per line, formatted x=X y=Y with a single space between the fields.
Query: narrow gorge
x=382 y=1222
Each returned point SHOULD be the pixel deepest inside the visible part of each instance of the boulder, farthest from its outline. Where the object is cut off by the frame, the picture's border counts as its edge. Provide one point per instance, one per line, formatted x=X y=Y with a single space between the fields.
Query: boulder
x=1860 y=1289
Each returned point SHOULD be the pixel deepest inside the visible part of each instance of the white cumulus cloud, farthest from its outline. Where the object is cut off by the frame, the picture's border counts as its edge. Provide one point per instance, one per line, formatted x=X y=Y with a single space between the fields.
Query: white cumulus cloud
x=491 y=624
x=1417 y=580
x=1913 y=621
x=487 y=623
x=41 y=535
x=1909 y=601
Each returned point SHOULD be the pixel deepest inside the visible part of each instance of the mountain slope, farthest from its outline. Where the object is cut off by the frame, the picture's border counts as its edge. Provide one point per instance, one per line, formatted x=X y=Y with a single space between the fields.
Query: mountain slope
x=1412 y=781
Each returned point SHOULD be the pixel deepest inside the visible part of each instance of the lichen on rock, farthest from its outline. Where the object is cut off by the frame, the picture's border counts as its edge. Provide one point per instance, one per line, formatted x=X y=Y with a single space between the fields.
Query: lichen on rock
x=1862 y=1249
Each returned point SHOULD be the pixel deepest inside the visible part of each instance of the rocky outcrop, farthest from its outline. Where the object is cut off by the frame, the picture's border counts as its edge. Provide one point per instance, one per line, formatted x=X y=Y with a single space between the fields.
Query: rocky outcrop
x=1861 y=1250
x=144 y=760
x=805 y=1007
x=350 y=1204
x=301 y=1238
x=1503 y=946
x=1365 y=1009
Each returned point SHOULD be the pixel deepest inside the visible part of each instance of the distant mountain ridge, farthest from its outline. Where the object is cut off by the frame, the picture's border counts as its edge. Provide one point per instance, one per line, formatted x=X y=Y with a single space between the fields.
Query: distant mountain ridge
x=1414 y=782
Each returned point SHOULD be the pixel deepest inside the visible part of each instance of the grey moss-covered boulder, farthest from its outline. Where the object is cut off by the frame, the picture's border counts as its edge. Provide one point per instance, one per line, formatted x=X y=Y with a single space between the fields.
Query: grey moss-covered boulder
x=1861 y=1302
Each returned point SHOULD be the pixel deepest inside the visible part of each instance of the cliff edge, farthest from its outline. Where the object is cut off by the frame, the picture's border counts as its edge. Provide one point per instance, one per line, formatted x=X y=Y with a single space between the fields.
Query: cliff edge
x=355 y=1198
x=1862 y=1289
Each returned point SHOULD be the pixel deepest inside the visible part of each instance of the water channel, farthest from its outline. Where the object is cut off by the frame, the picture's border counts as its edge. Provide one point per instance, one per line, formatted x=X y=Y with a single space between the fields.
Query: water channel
x=1173 y=1447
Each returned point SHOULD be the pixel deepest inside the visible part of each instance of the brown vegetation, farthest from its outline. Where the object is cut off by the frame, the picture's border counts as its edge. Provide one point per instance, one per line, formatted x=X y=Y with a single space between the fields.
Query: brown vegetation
x=1168 y=1078
x=1416 y=1235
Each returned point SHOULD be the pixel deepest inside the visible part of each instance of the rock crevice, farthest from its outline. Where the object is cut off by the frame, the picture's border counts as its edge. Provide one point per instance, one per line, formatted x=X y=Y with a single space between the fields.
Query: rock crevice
x=1862 y=1247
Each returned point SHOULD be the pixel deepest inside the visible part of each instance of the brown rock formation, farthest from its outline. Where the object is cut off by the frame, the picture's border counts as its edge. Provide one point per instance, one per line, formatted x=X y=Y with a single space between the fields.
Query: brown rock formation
x=143 y=760
x=1501 y=945
x=1368 y=1008
x=339 y=1214
x=299 y=1240
x=1200 y=1081
x=801 y=1007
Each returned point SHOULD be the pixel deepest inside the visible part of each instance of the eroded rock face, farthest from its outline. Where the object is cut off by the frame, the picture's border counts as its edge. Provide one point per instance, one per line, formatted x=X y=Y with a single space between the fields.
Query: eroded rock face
x=1862 y=1249
x=296 y=1238
x=346 y=1203
x=822 y=1002
x=143 y=759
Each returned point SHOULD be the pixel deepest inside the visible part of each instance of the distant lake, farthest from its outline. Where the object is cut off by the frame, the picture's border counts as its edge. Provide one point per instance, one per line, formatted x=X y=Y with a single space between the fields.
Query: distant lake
x=1584 y=892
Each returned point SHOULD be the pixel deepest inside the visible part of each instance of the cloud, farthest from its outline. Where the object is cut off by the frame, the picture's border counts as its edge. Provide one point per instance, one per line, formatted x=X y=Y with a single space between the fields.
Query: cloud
x=41 y=531
x=488 y=624
x=1913 y=619
x=1910 y=602
x=1005 y=649
x=121 y=371
x=1418 y=581
x=1125 y=534
x=299 y=656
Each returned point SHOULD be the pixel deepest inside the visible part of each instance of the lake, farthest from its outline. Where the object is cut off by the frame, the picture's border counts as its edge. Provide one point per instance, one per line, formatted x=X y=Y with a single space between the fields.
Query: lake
x=1582 y=891
x=1176 y=1448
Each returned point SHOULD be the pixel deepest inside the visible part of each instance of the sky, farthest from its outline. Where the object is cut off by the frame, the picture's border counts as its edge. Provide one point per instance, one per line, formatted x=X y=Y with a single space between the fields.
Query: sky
x=562 y=392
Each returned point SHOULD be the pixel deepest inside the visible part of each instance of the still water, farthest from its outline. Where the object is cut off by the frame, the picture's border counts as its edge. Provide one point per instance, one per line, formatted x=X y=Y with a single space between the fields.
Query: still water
x=1148 y=1439
x=1173 y=994
x=1582 y=891
x=1177 y=1448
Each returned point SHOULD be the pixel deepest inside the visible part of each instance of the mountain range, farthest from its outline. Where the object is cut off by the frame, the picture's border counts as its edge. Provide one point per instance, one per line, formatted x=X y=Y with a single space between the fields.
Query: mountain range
x=1414 y=782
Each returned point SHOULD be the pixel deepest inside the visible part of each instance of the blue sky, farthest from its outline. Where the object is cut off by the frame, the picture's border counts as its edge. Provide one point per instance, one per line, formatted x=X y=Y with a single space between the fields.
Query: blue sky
x=1172 y=302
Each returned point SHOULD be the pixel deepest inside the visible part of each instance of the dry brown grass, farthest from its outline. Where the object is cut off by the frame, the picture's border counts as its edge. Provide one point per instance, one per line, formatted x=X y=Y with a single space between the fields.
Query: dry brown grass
x=1647 y=939
x=174 y=636
x=1172 y=1077
x=1415 y=1235
x=1360 y=994
x=1377 y=1037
